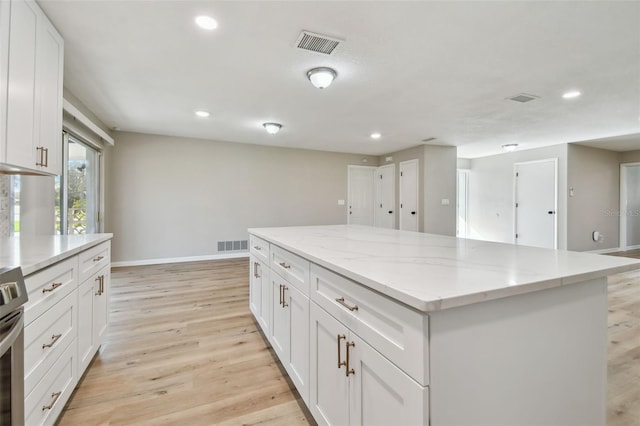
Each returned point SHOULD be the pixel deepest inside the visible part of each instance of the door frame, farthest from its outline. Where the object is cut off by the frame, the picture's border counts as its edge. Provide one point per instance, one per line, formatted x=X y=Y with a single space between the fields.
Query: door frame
x=415 y=160
x=555 y=198
x=352 y=167
x=465 y=174
x=622 y=216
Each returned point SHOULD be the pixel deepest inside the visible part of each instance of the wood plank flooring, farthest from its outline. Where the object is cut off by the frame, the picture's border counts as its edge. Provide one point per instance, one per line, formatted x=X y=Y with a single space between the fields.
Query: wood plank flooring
x=183 y=349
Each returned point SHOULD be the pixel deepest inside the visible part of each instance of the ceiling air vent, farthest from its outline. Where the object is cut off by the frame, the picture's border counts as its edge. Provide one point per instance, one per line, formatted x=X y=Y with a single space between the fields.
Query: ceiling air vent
x=522 y=97
x=317 y=42
x=428 y=140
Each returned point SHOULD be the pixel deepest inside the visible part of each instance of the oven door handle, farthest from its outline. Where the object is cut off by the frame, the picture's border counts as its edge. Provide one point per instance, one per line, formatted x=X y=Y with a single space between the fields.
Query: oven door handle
x=8 y=339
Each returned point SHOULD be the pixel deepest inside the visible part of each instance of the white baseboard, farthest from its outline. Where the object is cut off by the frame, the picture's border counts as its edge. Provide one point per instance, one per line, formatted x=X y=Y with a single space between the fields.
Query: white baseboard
x=605 y=251
x=179 y=259
x=632 y=248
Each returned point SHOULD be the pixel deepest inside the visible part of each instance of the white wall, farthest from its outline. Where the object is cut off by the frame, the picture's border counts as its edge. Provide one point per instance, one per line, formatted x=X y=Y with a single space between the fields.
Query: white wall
x=177 y=197
x=594 y=175
x=491 y=193
x=440 y=174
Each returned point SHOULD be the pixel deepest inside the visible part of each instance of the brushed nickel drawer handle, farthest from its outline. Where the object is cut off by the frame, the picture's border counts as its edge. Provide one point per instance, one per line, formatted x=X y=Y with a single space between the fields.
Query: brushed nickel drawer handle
x=284 y=299
x=284 y=265
x=257 y=247
x=53 y=287
x=340 y=363
x=98 y=259
x=341 y=301
x=100 y=280
x=55 y=397
x=54 y=339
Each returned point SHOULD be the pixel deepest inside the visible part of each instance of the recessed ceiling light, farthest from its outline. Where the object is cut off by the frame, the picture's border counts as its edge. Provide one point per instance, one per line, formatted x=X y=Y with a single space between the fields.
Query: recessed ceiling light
x=206 y=22
x=510 y=147
x=203 y=114
x=272 y=128
x=572 y=94
x=321 y=77
x=376 y=135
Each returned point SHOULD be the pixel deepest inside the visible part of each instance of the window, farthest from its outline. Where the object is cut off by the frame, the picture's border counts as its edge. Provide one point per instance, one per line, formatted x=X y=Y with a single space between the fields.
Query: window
x=79 y=189
x=9 y=205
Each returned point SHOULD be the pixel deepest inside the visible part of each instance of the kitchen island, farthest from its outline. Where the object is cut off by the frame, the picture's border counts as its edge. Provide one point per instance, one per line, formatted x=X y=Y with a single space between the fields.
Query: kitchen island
x=379 y=326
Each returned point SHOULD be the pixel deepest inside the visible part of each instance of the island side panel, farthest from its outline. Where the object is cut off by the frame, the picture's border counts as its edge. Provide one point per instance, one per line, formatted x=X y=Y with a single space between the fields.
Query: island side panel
x=538 y=358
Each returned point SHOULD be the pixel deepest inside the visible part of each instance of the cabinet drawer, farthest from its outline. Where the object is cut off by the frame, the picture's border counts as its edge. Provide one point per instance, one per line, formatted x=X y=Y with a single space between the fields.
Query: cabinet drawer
x=291 y=267
x=94 y=259
x=46 y=338
x=49 y=286
x=45 y=403
x=259 y=248
x=395 y=330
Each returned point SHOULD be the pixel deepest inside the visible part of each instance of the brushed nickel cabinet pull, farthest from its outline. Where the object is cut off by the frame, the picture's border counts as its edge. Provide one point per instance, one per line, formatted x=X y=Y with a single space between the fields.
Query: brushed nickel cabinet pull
x=40 y=153
x=341 y=301
x=284 y=265
x=257 y=247
x=349 y=370
x=46 y=157
x=284 y=299
x=280 y=303
x=340 y=363
x=98 y=259
x=255 y=269
x=100 y=280
x=54 y=339
x=53 y=287
x=55 y=397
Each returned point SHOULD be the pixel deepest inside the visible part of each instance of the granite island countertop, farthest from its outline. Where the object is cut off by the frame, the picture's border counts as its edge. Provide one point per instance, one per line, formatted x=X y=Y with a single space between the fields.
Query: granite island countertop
x=433 y=272
x=33 y=253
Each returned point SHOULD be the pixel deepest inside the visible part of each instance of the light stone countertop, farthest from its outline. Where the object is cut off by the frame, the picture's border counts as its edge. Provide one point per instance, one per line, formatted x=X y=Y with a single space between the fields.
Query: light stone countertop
x=434 y=272
x=33 y=253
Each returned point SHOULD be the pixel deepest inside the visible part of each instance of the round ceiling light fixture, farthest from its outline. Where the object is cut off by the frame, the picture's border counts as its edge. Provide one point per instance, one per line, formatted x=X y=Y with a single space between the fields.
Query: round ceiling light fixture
x=321 y=77
x=376 y=135
x=572 y=94
x=202 y=113
x=510 y=147
x=272 y=128
x=206 y=22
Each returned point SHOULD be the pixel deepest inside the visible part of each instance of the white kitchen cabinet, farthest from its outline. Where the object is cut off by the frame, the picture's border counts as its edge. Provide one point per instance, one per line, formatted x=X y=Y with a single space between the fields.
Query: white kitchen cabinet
x=259 y=293
x=92 y=315
x=289 y=332
x=31 y=137
x=5 y=19
x=352 y=383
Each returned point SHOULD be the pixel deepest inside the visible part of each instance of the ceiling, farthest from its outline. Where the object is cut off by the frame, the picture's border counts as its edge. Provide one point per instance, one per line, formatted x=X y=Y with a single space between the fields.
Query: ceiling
x=409 y=70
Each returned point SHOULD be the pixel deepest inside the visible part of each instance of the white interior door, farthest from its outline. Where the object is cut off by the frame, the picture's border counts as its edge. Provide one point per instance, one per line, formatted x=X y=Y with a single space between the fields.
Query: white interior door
x=409 y=195
x=385 y=189
x=630 y=206
x=536 y=198
x=361 y=195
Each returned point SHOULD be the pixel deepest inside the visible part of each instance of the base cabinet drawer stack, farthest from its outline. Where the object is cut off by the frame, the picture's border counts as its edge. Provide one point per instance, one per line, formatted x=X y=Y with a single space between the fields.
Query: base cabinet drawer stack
x=64 y=327
x=355 y=357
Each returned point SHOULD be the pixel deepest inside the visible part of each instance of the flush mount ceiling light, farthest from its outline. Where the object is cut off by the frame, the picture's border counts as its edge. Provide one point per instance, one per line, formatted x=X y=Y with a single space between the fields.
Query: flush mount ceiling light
x=376 y=135
x=510 y=147
x=272 y=128
x=202 y=113
x=206 y=22
x=321 y=77
x=572 y=94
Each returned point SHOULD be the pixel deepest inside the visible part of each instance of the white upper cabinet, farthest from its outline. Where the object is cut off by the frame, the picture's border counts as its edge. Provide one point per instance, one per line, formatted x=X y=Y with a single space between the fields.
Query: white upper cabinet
x=31 y=95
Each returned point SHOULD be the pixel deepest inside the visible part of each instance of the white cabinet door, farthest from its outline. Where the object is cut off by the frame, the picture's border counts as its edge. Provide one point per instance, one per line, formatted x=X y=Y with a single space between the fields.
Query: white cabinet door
x=298 y=367
x=20 y=148
x=50 y=58
x=5 y=15
x=380 y=393
x=100 y=305
x=329 y=390
x=255 y=288
x=279 y=333
x=265 y=297
x=86 y=342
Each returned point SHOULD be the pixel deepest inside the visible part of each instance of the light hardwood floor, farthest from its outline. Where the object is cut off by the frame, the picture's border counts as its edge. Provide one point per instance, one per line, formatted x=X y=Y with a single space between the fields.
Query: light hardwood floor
x=183 y=349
